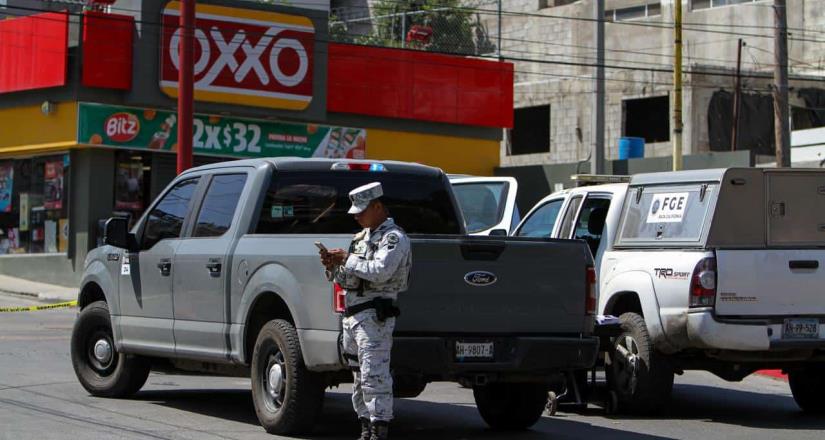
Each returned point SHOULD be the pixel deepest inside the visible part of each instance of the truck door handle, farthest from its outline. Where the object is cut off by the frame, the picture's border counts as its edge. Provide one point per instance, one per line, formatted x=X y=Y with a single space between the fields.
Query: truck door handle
x=165 y=266
x=214 y=267
x=803 y=264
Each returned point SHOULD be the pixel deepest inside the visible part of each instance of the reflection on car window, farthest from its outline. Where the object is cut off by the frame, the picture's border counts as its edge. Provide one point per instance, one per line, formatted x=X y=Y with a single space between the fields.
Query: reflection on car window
x=166 y=219
x=541 y=222
x=569 y=215
x=481 y=203
x=219 y=205
x=590 y=224
x=317 y=203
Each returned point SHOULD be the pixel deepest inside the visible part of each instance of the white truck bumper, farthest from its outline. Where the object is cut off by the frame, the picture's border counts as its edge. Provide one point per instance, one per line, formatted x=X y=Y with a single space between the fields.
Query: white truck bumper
x=704 y=331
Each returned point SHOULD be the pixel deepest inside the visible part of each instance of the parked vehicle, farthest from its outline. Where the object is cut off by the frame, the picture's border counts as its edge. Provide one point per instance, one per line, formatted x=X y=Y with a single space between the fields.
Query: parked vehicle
x=488 y=203
x=715 y=270
x=221 y=275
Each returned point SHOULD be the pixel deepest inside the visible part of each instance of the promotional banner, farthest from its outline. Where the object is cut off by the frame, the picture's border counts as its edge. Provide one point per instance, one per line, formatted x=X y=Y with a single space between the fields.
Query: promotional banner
x=147 y=129
x=6 y=186
x=54 y=185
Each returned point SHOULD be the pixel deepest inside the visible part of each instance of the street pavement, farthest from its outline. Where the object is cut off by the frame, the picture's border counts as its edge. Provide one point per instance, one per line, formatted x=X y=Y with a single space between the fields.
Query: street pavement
x=41 y=399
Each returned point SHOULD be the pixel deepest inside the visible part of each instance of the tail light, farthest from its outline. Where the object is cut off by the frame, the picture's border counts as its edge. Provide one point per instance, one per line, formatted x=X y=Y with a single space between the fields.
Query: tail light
x=338 y=301
x=703 y=283
x=590 y=300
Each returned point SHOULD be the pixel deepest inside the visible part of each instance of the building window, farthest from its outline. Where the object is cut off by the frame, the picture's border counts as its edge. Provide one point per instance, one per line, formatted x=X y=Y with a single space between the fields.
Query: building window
x=634 y=12
x=706 y=4
x=34 y=205
x=531 y=130
x=647 y=118
x=543 y=4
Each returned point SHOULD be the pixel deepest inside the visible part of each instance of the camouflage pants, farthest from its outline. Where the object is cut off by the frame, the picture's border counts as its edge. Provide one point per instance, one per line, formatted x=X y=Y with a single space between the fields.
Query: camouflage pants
x=370 y=341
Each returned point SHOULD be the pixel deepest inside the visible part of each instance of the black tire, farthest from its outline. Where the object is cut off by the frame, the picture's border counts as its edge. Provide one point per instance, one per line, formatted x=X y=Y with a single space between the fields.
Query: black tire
x=293 y=404
x=118 y=375
x=642 y=378
x=510 y=406
x=807 y=386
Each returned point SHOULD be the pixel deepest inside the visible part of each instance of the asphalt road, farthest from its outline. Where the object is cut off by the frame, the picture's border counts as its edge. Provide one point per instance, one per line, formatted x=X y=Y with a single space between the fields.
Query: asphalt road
x=40 y=399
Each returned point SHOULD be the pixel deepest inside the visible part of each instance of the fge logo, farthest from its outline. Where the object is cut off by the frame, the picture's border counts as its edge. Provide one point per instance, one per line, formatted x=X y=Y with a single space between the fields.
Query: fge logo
x=242 y=56
x=668 y=207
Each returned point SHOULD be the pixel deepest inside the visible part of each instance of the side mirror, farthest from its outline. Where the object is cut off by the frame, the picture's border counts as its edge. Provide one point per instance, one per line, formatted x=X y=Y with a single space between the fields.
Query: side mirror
x=116 y=233
x=498 y=233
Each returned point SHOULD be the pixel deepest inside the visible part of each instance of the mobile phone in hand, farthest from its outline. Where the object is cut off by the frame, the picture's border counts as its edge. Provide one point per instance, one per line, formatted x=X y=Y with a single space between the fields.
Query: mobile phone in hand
x=321 y=246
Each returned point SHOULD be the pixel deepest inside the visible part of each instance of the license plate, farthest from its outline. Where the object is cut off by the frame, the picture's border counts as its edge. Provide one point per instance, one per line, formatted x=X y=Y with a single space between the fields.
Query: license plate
x=801 y=328
x=474 y=351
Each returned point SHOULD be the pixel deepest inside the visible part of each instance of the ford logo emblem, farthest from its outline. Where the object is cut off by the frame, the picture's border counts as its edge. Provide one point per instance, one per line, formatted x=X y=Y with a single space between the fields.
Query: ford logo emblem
x=480 y=278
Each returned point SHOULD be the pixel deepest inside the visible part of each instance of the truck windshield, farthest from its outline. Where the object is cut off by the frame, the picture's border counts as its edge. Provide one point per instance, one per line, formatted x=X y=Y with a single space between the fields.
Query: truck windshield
x=481 y=203
x=666 y=214
x=317 y=203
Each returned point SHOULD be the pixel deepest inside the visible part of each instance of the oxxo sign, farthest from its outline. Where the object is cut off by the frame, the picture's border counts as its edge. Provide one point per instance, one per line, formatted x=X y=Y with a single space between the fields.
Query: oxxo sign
x=243 y=56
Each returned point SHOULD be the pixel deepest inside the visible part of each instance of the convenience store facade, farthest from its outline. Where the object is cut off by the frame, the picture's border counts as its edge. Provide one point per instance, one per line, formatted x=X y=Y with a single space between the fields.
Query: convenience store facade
x=100 y=139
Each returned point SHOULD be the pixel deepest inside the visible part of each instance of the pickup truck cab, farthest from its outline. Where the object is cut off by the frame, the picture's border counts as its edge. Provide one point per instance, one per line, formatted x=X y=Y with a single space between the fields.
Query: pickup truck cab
x=221 y=275
x=717 y=270
x=487 y=203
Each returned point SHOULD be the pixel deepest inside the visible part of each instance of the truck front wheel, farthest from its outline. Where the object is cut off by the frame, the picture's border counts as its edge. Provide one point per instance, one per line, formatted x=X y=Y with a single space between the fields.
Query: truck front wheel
x=640 y=376
x=97 y=364
x=510 y=406
x=287 y=396
x=807 y=386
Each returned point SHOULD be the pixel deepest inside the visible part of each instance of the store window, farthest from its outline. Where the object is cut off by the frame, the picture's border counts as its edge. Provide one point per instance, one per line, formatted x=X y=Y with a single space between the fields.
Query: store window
x=132 y=185
x=34 y=205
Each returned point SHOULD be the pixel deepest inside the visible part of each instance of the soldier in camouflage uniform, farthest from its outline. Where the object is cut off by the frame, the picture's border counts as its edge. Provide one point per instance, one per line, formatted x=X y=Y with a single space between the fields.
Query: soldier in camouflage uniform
x=374 y=270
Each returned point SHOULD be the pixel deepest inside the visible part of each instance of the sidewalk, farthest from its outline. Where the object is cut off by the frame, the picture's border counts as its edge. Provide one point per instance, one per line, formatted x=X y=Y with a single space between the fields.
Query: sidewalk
x=41 y=291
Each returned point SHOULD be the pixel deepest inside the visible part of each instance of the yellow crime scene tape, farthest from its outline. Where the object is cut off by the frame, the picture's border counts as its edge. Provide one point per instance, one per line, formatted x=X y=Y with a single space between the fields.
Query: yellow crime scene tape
x=36 y=308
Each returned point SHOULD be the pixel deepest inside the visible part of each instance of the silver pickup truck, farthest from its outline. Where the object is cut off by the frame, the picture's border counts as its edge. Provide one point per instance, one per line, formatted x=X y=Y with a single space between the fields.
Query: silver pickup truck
x=221 y=276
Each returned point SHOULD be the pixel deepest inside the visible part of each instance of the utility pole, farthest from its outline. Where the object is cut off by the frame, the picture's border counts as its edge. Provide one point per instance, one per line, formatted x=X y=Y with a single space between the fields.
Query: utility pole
x=597 y=156
x=782 y=129
x=737 y=97
x=185 y=84
x=677 y=85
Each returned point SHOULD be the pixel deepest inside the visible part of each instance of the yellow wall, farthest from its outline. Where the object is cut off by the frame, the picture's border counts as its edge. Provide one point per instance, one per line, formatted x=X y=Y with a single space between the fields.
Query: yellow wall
x=28 y=130
x=452 y=154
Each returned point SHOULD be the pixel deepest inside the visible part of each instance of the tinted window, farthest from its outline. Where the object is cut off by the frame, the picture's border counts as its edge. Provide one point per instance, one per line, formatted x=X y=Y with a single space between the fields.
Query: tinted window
x=481 y=203
x=317 y=203
x=676 y=213
x=219 y=205
x=166 y=219
x=541 y=222
x=590 y=224
x=569 y=215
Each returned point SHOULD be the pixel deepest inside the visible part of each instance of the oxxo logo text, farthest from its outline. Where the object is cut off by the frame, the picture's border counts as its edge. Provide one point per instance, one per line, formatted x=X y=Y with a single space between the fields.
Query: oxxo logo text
x=243 y=56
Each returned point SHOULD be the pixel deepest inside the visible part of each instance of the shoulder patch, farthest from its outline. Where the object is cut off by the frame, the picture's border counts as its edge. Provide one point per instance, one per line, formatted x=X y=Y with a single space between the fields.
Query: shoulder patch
x=393 y=238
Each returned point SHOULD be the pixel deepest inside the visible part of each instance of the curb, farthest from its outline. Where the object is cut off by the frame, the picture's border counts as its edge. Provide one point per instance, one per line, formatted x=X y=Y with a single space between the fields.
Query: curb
x=43 y=296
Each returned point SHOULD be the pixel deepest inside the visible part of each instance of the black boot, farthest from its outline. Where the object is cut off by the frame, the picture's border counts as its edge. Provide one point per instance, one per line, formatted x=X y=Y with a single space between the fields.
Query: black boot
x=380 y=430
x=366 y=429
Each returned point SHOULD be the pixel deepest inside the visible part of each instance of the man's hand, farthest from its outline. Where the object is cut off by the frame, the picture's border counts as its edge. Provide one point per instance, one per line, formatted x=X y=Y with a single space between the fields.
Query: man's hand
x=332 y=258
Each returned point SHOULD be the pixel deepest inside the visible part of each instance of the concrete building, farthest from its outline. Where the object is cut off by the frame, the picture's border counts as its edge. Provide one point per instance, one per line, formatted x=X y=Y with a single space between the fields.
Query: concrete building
x=551 y=43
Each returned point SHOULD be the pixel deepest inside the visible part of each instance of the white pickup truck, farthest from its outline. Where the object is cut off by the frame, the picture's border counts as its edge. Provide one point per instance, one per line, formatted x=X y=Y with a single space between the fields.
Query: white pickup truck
x=715 y=270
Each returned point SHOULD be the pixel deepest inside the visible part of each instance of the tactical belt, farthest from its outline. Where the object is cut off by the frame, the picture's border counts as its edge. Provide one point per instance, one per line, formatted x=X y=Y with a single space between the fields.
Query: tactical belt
x=384 y=308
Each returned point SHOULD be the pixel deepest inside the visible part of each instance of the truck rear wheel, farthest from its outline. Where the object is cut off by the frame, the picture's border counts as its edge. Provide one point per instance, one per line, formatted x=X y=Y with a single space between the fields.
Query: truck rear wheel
x=640 y=376
x=807 y=386
x=99 y=367
x=510 y=406
x=287 y=396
